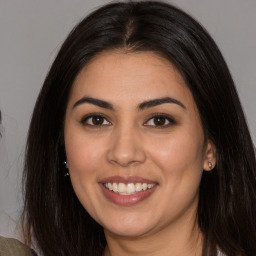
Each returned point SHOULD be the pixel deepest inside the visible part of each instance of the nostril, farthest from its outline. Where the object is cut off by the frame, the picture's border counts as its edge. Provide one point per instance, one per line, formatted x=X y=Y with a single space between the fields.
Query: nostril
x=126 y=159
x=124 y=163
x=126 y=148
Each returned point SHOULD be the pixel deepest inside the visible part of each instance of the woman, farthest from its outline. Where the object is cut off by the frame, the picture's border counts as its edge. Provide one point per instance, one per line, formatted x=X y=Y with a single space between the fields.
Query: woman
x=138 y=144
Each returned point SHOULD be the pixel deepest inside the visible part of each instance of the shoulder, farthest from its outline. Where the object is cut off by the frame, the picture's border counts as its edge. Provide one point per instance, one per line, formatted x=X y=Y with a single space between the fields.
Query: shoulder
x=13 y=247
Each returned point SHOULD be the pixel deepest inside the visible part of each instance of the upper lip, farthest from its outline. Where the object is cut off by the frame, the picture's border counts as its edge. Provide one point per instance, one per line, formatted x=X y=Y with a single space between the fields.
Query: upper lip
x=126 y=180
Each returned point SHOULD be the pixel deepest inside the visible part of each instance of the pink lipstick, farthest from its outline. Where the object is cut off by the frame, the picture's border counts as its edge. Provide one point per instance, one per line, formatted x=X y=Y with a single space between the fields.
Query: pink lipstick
x=127 y=191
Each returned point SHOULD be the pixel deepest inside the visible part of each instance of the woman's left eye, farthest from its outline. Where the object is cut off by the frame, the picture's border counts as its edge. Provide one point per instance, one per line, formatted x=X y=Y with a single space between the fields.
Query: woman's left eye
x=160 y=121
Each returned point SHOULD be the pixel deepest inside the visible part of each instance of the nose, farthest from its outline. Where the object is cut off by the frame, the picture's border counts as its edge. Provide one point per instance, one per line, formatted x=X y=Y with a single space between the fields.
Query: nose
x=126 y=148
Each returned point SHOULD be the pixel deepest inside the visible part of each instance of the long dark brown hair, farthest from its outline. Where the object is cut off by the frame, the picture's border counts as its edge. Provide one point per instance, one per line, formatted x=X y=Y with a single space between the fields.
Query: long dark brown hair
x=53 y=218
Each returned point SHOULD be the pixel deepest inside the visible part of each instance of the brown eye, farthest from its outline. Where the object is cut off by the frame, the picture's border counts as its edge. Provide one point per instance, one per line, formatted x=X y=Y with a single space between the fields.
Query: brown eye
x=160 y=121
x=95 y=120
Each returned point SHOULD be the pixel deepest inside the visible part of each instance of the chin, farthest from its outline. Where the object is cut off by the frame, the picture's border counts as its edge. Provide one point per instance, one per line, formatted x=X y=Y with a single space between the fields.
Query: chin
x=128 y=233
x=128 y=230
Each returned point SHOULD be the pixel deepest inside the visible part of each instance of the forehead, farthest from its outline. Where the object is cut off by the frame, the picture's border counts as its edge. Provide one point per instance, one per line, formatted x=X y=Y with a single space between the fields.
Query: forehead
x=138 y=76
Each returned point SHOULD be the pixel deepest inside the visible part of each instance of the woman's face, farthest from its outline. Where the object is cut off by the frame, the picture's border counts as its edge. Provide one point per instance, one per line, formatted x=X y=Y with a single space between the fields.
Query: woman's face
x=135 y=144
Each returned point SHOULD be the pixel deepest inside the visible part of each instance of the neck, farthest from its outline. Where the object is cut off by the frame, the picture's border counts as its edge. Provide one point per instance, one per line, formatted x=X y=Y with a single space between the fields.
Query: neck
x=176 y=240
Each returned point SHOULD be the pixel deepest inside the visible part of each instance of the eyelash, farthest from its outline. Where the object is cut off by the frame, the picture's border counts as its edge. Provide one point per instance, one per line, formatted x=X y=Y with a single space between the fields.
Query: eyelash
x=85 y=119
x=164 y=117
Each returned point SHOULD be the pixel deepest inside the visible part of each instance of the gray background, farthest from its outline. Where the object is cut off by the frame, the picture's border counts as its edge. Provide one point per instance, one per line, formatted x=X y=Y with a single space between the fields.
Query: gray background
x=31 y=32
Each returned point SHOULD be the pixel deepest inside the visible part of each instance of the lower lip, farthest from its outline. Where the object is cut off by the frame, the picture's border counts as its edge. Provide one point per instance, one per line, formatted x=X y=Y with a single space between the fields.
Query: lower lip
x=127 y=200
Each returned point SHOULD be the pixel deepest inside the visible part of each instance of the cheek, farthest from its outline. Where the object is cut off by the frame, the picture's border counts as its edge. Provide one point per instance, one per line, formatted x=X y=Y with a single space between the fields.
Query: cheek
x=84 y=159
x=179 y=160
x=178 y=154
x=83 y=154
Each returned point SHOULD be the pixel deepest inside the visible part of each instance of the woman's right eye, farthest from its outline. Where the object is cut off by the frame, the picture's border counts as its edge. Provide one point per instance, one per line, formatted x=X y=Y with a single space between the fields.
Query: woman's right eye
x=95 y=120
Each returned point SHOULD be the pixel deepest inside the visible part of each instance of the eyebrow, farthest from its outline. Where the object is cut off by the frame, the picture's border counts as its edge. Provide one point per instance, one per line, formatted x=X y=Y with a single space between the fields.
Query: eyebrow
x=142 y=106
x=156 y=102
x=97 y=102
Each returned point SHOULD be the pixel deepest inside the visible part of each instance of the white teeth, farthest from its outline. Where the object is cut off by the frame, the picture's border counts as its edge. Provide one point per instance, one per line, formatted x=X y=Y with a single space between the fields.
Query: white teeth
x=128 y=189
x=121 y=188
x=150 y=186
x=144 y=186
x=109 y=186
x=138 y=187
x=115 y=188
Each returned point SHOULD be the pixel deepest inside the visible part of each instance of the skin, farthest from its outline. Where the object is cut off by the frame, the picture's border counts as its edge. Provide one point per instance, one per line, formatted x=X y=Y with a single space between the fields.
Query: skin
x=130 y=142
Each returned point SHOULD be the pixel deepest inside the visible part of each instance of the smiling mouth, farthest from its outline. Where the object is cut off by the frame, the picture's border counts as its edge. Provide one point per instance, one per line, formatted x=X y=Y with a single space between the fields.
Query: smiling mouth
x=129 y=188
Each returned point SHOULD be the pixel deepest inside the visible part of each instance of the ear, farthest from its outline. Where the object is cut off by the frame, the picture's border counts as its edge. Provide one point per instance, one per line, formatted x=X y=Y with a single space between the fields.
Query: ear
x=209 y=156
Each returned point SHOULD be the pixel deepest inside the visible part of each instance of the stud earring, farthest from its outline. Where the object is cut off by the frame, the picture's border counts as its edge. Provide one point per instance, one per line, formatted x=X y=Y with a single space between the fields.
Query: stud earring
x=210 y=165
x=66 y=169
